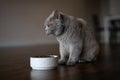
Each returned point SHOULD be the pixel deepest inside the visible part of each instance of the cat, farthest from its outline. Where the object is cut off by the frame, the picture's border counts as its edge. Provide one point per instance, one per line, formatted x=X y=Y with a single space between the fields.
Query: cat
x=77 y=42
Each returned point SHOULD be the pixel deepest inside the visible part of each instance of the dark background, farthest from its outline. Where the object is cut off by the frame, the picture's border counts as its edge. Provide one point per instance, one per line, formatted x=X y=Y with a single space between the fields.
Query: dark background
x=21 y=21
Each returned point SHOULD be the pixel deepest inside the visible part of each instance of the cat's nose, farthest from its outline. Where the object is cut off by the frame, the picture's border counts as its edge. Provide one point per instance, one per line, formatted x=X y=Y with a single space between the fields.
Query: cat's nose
x=46 y=30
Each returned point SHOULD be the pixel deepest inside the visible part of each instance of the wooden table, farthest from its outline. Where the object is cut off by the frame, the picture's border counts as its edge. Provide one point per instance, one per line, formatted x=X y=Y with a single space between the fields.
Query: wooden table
x=14 y=65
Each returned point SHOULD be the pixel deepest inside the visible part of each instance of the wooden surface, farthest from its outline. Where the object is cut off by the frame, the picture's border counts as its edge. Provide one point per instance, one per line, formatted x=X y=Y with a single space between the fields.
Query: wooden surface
x=14 y=65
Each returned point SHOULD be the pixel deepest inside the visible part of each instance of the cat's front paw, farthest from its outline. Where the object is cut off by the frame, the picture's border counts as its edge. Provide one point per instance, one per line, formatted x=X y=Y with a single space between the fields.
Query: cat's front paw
x=61 y=62
x=71 y=63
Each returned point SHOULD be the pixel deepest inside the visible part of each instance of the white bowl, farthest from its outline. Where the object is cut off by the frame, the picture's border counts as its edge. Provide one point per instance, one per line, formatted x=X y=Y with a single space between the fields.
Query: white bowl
x=44 y=62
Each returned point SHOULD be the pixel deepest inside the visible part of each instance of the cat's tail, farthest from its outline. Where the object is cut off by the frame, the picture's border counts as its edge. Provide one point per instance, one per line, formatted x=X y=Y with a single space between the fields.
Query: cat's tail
x=84 y=61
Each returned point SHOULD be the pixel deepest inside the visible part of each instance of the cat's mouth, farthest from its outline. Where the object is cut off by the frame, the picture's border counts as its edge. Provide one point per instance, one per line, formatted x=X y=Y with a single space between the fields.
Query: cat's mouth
x=49 y=32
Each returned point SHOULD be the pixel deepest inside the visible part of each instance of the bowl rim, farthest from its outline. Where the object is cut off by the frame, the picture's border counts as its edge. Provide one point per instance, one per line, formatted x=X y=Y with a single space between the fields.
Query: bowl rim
x=45 y=56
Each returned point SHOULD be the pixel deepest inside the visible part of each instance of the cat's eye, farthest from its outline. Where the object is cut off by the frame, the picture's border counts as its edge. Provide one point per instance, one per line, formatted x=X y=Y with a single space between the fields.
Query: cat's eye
x=49 y=25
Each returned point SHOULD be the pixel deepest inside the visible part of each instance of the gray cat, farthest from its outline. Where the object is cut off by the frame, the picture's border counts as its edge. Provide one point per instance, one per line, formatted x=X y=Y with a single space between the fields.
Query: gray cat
x=77 y=42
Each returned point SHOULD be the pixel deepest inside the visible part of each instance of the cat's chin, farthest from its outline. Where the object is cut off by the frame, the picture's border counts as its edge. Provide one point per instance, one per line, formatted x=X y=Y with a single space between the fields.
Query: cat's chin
x=48 y=33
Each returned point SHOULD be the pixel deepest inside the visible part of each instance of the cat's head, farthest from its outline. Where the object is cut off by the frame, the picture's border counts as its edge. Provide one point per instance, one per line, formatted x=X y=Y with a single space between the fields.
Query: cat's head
x=54 y=23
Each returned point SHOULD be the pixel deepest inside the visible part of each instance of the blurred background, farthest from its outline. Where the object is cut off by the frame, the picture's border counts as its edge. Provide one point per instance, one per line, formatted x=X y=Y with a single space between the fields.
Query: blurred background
x=21 y=21
x=22 y=35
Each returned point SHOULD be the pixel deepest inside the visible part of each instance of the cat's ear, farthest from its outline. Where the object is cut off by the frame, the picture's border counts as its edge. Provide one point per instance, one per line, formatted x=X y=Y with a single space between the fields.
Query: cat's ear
x=56 y=14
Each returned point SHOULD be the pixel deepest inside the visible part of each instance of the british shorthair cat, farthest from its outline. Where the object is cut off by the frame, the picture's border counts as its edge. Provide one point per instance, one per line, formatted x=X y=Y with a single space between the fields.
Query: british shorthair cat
x=77 y=42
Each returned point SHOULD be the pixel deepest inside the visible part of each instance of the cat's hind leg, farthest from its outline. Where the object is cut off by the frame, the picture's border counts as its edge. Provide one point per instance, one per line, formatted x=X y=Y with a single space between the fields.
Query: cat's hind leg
x=91 y=54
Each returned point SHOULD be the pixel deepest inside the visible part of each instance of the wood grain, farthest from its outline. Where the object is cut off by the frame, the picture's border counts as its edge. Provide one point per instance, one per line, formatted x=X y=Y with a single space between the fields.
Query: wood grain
x=14 y=64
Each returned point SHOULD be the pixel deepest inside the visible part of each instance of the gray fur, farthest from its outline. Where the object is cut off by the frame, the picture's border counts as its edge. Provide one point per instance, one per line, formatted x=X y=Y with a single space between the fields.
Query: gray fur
x=76 y=39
